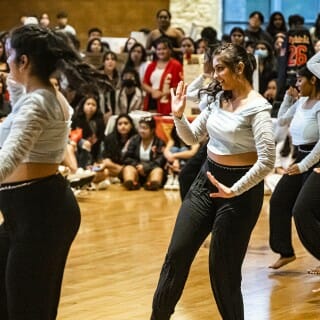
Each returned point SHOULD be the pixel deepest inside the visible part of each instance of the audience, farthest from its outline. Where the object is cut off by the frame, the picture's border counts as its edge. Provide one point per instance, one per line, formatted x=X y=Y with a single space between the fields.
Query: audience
x=144 y=159
x=62 y=23
x=129 y=96
x=164 y=29
x=137 y=59
x=115 y=145
x=161 y=75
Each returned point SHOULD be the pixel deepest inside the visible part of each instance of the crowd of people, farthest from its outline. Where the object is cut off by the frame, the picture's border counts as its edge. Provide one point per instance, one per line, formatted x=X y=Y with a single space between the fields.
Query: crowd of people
x=219 y=161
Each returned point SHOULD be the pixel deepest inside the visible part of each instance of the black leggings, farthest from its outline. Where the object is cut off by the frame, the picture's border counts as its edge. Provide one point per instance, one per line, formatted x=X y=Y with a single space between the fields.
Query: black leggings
x=40 y=223
x=306 y=212
x=230 y=221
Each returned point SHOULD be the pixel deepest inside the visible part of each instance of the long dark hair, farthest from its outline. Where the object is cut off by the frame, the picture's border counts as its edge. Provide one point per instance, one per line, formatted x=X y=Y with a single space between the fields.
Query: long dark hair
x=114 y=142
x=231 y=55
x=49 y=51
x=95 y=124
x=88 y=49
x=129 y=62
x=271 y=29
x=115 y=131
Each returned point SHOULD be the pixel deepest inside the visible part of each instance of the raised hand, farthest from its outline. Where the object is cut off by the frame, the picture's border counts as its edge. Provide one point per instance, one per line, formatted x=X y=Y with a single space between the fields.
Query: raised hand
x=178 y=99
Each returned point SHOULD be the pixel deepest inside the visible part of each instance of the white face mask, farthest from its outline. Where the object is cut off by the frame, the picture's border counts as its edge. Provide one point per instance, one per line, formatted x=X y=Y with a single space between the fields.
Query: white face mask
x=261 y=53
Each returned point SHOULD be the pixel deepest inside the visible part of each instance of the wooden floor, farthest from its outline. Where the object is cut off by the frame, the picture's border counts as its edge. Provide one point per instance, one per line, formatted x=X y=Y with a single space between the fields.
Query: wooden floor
x=114 y=265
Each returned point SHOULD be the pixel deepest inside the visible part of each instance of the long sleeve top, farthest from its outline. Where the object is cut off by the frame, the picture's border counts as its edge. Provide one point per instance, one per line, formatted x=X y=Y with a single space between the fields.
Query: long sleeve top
x=304 y=127
x=193 y=92
x=36 y=130
x=248 y=130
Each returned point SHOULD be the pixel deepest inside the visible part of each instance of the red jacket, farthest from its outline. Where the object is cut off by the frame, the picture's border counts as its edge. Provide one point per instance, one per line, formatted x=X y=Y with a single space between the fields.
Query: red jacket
x=171 y=76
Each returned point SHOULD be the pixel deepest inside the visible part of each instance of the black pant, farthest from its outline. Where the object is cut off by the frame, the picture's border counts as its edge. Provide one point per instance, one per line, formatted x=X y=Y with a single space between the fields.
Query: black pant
x=306 y=212
x=230 y=221
x=191 y=169
x=40 y=223
x=281 y=205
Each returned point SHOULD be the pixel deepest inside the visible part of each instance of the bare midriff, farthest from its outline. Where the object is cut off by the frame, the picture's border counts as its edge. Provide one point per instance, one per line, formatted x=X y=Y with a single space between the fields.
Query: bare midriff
x=30 y=171
x=239 y=159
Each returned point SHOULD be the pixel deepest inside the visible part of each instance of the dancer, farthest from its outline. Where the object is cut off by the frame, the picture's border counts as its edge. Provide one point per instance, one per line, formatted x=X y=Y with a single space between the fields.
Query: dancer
x=41 y=214
x=226 y=197
x=306 y=211
x=301 y=114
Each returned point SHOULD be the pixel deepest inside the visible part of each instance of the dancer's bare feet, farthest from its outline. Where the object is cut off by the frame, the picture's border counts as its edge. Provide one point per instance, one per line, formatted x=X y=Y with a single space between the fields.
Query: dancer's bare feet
x=315 y=270
x=282 y=261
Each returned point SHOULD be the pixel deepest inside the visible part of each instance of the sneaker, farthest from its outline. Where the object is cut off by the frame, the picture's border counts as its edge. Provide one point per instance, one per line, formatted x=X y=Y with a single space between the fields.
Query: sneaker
x=175 y=184
x=103 y=185
x=115 y=180
x=80 y=179
x=169 y=183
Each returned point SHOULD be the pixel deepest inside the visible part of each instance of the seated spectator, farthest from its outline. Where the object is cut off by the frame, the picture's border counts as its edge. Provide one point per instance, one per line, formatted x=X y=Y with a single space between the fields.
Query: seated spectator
x=201 y=46
x=277 y=24
x=177 y=154
x=161 y=75
x=267 y=64
x=137 y=59
x=254 y=32
x=209 y=34
x=44 y=20
x=88 y=121
x=4 y=68
x=129 y=96
x=63 y=23
x=237 y=36
x=94 y=52
x=115 y=145
x=128 y=44
x=97 y=33
x=5 y=107
x=144 y=159
x=188 y=48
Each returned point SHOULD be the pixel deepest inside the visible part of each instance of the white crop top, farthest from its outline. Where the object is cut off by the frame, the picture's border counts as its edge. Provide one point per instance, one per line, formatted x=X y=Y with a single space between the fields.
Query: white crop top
x=249 y=130
x=304 y=127
x=36 y=130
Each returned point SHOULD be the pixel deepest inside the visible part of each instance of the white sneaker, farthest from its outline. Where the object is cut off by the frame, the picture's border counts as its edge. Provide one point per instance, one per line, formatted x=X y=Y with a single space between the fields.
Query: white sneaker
x=169 y=183
x=103 y=184
x=175 y=183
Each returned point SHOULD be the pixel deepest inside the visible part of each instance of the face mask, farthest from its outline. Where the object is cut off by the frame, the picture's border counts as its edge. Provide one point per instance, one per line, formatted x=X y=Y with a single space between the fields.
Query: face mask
x=261 y=53
x=129 y=83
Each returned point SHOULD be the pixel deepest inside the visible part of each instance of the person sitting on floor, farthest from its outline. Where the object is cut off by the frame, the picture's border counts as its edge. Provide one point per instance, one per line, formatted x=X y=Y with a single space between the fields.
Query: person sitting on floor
x=115 y=144
x=144 y=159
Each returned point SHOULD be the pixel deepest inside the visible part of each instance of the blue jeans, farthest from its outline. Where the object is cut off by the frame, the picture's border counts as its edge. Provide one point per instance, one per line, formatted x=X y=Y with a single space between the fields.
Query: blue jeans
x=40 y=223
x=230 y=221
